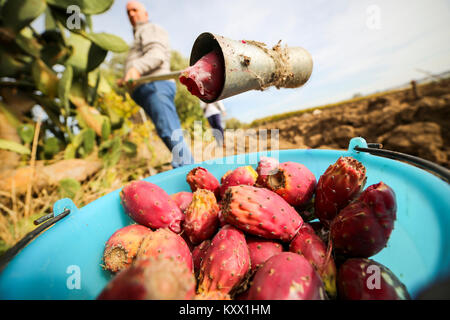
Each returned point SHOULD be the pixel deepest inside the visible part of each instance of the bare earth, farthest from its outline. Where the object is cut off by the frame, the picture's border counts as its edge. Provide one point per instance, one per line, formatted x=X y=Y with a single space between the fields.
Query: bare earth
x=419 y=127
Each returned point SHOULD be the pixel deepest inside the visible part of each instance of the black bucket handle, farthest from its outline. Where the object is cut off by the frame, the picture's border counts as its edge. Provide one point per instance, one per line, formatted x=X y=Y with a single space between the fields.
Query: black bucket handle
x=375 y=149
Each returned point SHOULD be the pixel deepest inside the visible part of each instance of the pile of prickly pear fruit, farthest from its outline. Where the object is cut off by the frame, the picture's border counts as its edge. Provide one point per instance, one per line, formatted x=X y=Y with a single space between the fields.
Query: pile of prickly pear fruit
x=270 y=233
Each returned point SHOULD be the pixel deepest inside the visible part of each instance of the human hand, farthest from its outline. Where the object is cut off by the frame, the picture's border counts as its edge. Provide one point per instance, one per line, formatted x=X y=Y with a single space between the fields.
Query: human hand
x=132 y=74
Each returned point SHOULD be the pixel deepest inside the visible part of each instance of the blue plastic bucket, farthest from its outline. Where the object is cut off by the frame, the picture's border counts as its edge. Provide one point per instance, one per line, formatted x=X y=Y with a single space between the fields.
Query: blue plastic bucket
x=65 y=261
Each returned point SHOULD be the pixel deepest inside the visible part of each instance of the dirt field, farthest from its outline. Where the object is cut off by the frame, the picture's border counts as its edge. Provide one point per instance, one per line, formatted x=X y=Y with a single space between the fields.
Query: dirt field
x=400 y=121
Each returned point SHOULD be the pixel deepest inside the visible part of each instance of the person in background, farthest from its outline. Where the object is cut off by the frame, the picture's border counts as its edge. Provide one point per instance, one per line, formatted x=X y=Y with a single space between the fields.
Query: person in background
x=213 y=112
x=150 y=55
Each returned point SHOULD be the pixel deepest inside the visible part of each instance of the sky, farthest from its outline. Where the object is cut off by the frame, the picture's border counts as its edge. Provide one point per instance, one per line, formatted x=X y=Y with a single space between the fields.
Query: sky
x=357 y=46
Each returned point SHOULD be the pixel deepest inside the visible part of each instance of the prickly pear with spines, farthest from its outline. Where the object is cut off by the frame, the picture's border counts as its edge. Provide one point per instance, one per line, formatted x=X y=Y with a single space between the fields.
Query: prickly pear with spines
x=363 y=227
x=260 y=212
x=366 y=279
x=122 y=247
x=226 y=262
x=149 y=205
x=261 y=250
x=151 y=279
x=382 y=200
x=167 y=244
x=202 y=218
x=294 y=182
x=308 y=244
x=338 y=186
x=201 y=178
x=286 y=276
x=205 y=78
x=240 y=176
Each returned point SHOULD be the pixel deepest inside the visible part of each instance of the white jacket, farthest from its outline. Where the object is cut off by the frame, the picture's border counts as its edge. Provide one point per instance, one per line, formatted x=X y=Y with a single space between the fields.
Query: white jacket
x=150 y=51
x=212 y=108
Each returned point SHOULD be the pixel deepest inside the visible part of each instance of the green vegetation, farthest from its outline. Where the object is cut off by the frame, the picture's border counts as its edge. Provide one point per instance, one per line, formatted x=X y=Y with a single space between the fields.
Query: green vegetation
x=58 y=101
x=57 y=69
x=234 y=124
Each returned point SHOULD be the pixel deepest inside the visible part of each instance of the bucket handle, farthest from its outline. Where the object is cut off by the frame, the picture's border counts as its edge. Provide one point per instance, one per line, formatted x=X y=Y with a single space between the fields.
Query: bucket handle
x=375 y=149
x=44 y=222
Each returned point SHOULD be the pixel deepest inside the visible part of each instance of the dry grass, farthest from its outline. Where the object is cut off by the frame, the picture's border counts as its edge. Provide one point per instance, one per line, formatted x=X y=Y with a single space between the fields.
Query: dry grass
x=14 y=223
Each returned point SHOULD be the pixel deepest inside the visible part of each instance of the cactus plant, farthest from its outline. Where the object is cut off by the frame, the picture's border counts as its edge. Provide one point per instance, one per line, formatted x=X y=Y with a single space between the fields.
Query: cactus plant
x=30 y=59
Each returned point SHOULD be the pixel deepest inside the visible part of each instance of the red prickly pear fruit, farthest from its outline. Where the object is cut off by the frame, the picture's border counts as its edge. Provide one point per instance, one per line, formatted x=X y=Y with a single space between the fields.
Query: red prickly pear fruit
x=260 y=212
x=151 y=279
x=366 y=279
x=202 y=220
x=239 y=176
x=205 y=79
x=226 y=262
x=183 y=199
x=122 y=247
x=266 y=166
x=363 y=228
x=261 y=250
x=294 y=182
x=212 y=295
x=308 y=244
x=287 y=276
x=198 y=254
x=222 y=179
x=337 y=187
x=201 y=178
x=354 y=233
x=381 y=199
x=167 y=244
x=149 y=205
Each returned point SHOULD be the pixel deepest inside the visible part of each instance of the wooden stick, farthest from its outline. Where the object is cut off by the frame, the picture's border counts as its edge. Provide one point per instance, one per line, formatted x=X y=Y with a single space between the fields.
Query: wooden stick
x=144 y=79
x=32 y=165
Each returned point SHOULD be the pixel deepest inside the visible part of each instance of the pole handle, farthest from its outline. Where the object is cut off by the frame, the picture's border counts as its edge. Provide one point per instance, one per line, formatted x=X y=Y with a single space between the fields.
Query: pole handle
x=160 y=77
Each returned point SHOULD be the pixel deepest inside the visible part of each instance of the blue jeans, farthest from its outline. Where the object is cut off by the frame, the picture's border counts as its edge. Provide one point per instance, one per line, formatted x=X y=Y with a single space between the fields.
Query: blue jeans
x=216 y=123
x=156 y=98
